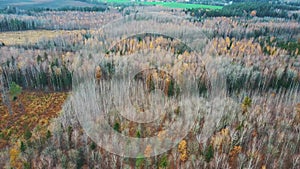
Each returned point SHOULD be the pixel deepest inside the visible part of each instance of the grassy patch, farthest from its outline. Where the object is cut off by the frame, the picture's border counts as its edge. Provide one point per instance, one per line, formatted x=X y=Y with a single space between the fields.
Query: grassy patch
x=167 y=4
x=182 y=5
x=31 y=36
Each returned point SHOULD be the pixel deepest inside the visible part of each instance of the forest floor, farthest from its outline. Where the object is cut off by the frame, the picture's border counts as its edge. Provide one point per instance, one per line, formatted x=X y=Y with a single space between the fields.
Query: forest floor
x=30 y=110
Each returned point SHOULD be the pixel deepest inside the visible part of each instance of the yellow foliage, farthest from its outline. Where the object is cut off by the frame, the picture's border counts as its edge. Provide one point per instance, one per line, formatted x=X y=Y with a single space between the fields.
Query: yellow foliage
x=233 y=156
x=268 y=48
x=232 y=45
x=20 y=64
x=43 y=122
x=225 y=132
x=215 y=43
x=151 y=45
x=140 y=44
x=222 y=137
x=57 y=71
x=185 y=66
x=186 y=53
x=227 y=40
x=161 y=135
x=182 y=148
x=155 y=76
x=184 y=157
x=158 y=48
x=235 y=150
x=98 y=73
x=253 y=13
x=13 y=157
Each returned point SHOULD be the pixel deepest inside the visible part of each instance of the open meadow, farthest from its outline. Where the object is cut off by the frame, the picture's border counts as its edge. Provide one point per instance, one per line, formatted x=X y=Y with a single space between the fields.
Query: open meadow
x=181 y=5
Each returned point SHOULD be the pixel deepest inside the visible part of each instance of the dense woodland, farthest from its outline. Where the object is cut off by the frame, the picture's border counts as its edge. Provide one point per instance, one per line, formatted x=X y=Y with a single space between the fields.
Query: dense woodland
x=250 y=9
x=241 y=64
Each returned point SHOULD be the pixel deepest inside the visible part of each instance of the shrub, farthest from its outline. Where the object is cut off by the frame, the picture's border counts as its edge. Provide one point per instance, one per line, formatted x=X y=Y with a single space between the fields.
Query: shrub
x=209 y=153
x=14 y=90
x=48 y=134
x=117 y=127
x=182 y=148
x=138 y=134
x=139 y=161
x=93 y=146
x=163 y=163
x=27 y=134
x=14 y=158
x=22 y=147
x=80 y=161
x=247 y=101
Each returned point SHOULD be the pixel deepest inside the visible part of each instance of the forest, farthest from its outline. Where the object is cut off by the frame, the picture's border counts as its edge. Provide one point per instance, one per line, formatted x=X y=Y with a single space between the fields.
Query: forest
x=258 y=9
x=132 y=86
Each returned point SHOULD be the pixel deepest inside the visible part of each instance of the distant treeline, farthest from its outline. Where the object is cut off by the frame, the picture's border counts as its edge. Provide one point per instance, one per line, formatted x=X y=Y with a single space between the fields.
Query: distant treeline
x=14 y=24
x=9 y=23
x=263 y=9
x=294 y=3
x=15 y=10
x=82 y=9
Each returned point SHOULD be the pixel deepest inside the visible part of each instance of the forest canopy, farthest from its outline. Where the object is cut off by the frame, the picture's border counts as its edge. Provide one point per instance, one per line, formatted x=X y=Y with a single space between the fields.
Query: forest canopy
x=262 y=9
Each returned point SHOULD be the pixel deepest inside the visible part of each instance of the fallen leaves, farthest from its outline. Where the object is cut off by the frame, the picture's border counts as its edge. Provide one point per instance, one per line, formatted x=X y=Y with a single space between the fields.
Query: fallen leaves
x=29 y=110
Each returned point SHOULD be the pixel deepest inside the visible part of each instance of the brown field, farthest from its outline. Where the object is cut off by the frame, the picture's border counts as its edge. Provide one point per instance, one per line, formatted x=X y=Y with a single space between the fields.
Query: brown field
x=31 y=36
x=29 y=110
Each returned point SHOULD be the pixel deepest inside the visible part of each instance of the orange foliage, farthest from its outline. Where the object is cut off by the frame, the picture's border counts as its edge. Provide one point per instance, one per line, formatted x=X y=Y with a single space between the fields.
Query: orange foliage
x=14 y=158
x=233 y=156
x=148 y=151
x=182 y=148
x=29 y=110
x=98 y=73
x=253 y=13
x=221 y=138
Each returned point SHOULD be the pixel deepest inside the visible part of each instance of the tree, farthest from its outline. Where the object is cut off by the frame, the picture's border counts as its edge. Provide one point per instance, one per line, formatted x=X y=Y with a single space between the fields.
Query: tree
x=22 y=147
x=253 y=13
x=208 y=153
x=27 y=134
x=117 y=127
x=163 y=163
x=14 y=90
